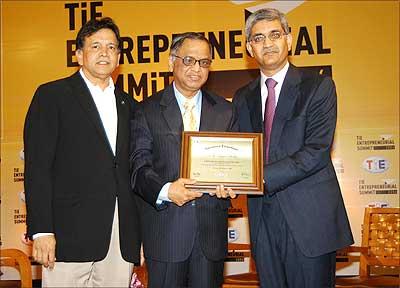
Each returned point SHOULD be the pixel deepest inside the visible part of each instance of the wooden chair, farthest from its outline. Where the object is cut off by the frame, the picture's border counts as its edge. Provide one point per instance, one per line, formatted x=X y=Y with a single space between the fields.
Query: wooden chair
x=244 y=280
x=18 y=259
x=379 y=254
x=141 y=272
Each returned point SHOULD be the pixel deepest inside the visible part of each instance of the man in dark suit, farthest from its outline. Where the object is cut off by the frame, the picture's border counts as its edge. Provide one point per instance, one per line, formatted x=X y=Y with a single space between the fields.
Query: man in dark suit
x=301 y=221
x=184 y=232
x=80 y=209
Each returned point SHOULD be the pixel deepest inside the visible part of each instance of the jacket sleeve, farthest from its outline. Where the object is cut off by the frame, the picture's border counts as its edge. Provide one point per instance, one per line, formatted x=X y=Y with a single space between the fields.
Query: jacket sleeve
x=314 y=153
x=40 y=141
x=144 y=180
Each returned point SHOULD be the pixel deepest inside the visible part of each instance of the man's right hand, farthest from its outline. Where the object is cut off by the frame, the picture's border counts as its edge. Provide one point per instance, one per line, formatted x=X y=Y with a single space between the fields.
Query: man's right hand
x=44 y=250
x=178 y=194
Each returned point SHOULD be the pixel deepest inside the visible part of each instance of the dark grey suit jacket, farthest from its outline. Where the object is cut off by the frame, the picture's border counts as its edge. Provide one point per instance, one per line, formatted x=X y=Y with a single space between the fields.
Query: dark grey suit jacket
x=169 y=231
x=72 y=177
x=300 y=169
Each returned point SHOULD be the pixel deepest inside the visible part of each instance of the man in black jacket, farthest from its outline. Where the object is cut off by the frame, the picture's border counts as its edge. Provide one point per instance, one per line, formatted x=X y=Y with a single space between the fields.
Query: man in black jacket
x=80 y=209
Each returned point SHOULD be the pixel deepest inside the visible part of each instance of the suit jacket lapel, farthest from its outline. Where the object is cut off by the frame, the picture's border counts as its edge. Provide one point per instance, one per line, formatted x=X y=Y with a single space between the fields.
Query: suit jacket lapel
x=207 y=121
x=123 y=120
x=254 y=104
x=287 y=98
x=82 y=94
x=172 y=113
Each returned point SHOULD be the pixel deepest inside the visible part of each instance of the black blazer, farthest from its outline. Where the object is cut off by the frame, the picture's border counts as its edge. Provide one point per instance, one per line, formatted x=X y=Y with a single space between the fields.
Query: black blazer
x=72 y=177
x=169 y=231
x=300 y=169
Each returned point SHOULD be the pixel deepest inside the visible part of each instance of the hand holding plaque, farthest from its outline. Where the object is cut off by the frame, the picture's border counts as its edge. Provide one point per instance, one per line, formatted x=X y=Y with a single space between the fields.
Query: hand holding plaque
x=228 y=158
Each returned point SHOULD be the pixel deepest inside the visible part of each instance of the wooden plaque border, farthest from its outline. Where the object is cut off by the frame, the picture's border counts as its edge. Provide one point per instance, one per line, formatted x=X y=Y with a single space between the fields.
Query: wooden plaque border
x=255 y=187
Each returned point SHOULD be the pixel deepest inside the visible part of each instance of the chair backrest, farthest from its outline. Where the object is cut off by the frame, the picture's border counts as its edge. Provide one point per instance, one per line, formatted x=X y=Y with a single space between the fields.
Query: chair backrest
x=381 y=236
x=18 y=259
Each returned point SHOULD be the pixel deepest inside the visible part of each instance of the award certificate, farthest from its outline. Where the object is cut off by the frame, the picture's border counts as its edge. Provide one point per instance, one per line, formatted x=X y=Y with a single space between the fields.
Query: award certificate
x=229 y=158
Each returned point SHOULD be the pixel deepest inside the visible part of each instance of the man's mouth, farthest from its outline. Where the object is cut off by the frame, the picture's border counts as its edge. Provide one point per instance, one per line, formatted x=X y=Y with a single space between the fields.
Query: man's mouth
x=269 y=52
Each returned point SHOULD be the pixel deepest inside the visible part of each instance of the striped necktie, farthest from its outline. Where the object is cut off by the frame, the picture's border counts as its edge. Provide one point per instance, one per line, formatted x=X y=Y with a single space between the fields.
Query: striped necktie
x=269 y=113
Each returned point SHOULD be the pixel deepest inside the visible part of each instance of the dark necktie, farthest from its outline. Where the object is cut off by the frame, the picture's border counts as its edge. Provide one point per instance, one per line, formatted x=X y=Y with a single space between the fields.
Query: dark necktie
x=269 y=113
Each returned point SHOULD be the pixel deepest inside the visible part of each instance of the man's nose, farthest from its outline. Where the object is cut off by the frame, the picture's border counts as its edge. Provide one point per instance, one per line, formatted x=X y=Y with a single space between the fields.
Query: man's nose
x=267 y=42
x=104 y=51
x=196 y=66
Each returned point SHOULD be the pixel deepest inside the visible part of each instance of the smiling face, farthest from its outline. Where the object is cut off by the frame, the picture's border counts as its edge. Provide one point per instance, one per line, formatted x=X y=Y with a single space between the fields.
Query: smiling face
x=99 y=56
x=271 y=55
x=189 y=79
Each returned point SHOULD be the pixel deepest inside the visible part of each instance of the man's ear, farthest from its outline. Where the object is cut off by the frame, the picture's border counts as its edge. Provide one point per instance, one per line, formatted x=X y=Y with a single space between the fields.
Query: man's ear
x=119 y=56
x=249 y=49
x=79 y=56
x=171 y=63
x=289 y=40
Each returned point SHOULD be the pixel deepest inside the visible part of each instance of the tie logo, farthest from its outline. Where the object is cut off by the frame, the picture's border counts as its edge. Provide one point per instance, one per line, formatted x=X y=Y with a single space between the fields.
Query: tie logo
x=376 y=164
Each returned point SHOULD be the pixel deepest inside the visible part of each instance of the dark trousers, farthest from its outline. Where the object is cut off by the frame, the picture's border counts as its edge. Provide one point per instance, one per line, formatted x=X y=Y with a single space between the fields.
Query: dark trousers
x=195 y=272
x=279 y=261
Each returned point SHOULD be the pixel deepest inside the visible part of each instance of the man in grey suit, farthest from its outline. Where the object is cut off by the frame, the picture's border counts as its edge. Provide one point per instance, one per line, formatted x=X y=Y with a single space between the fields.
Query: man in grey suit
x=184 y=232
x=301 y=221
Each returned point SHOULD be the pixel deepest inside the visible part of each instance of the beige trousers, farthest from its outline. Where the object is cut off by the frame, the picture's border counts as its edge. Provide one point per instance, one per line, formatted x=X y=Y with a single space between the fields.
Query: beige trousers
x=112 y=271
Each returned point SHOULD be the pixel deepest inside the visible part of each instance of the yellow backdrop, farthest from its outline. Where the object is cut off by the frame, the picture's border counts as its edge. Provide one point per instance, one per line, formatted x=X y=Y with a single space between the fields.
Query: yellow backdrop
x=357 y=42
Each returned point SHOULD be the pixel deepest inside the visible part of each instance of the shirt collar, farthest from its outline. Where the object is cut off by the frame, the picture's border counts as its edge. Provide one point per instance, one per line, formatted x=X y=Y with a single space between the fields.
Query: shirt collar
x=92 y=86
x=278 y=77
x=181 y=98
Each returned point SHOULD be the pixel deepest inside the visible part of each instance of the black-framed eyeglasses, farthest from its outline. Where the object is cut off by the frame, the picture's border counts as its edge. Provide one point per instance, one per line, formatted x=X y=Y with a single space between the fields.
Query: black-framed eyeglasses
x=273 y=36
x=191 y=61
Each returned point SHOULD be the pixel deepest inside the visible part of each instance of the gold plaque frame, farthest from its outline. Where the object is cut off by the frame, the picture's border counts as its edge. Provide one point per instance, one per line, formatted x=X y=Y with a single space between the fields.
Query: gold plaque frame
x=233 y=155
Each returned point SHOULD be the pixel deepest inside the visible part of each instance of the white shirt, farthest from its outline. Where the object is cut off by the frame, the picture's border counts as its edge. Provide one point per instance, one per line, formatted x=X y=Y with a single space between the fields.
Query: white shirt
x=278 y=77
x=106 y=106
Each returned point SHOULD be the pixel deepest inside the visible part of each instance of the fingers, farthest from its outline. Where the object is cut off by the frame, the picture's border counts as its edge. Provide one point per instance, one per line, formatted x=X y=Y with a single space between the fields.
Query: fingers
x=193 y=194
x=43 y=250
x=142 y=259
x=222 y=192
x=184 y=181
x=231 y=193
x=52 y=258
x=36 y=253
x=178 y=193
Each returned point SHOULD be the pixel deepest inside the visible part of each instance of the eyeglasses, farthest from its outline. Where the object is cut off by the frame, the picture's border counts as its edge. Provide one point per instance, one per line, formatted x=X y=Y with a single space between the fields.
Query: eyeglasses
x=273 y=36
x=191 y=61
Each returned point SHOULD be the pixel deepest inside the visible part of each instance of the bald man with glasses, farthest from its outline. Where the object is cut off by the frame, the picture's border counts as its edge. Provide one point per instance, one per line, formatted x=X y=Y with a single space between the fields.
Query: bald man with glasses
x=184 y=231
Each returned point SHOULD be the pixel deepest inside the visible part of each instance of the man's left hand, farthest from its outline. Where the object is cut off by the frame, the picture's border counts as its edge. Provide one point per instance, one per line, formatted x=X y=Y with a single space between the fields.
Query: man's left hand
x=222 y=192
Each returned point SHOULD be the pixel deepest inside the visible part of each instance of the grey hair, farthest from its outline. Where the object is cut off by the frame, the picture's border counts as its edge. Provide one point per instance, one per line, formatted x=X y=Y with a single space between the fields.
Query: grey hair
x=178 y=41
x=269 y=14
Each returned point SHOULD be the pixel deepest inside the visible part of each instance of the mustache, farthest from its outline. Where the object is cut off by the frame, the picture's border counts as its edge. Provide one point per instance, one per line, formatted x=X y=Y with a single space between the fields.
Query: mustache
x=270 y=50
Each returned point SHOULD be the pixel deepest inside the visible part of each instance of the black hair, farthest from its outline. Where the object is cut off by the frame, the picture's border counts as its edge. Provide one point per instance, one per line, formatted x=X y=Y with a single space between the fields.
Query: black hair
x=179 y=39
x=94 y=25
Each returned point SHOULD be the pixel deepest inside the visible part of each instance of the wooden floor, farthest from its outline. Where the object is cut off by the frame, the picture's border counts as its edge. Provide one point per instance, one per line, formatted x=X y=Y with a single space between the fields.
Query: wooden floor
x=37 y=284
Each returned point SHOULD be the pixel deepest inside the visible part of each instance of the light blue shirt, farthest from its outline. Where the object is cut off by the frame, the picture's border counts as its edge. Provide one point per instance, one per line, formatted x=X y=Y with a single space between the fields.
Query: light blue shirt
x=180 y=98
